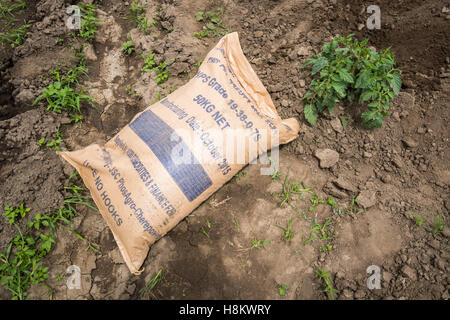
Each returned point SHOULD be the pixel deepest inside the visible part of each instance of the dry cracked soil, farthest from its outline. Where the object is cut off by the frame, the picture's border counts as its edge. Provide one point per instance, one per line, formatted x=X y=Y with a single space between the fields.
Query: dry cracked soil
x=398 y=172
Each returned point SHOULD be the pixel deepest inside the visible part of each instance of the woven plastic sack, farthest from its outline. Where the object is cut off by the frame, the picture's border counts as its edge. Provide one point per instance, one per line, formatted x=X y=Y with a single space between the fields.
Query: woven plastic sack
x=180 y=150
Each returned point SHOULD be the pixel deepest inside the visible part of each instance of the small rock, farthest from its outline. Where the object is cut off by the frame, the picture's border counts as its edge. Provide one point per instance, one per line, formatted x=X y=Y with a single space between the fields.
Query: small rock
x=360 y=26
x=25 y=97
x=347 y=293
x=258 y=34
x=367 y=154
x=409 y=272
x=435 y=244
x=131 y=288
x=421 y=130
x=344 y=184
x=303 y=52
x=386 y=178
x=89 y=52
x=367 y=199
x=301 y=83
x=327 y=157
x=396 y=116
x=410 y=143
x=446 y=231
x=387 y=277
x=397 y=160
x=337 y=125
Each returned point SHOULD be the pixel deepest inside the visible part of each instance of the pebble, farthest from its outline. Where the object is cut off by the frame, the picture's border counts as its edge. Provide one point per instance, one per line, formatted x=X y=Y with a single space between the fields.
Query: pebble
x=258 y=34
x=367 y=198
x=410 y=143
x=337 y=125
x=327 y=157
x=367 y=154
x=409 y=272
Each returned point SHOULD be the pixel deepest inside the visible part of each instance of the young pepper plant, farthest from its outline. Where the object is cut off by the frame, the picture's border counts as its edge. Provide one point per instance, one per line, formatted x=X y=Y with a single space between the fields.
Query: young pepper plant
x=348 y=69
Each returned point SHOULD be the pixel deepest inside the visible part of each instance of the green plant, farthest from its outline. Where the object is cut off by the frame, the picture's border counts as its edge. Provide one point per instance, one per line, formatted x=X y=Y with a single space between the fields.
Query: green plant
x=89 y=22
x=240 y=175
x=418 y=220
x=288 y=233
x=149 y=62
x=137 y=14
x=213 y=24
x=41 y=142
x=275 y=175
x=8 y=7
x=324 y=277
x=256 y=244
x=349 y=69
x=282 y=290
x=14 y=35
x=147 y=289
x=128 y=47
x=55 y=142
x=162 y=71
x=328 y=247
x=315 y=201
x=198 y=63
x=236 y=223
x=11 y=213
x=438 y=224
x=289 y=188
x=59 y=41
x=63 y=94
x=20 y=264
x=354 y=207
x=323 y=232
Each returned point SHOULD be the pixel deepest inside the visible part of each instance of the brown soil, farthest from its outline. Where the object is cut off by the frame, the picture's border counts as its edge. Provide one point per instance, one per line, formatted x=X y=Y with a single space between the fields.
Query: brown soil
x=398 y=172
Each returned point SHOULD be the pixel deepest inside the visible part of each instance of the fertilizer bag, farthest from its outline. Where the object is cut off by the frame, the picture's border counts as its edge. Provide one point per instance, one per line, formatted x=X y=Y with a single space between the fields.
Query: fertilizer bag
x=176 y=153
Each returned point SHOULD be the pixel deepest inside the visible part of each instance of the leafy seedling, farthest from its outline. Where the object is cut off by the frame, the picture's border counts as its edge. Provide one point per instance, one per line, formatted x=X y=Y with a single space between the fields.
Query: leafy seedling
x=14 y=36
x=11 y=213
x=288 y=233
x=128 y=47
x=147 y=289
x=137 y=14
x=256 y=244
x=349 y=69
x=324 y=277
x=55 y=142
x=438 y=224
x=213 y=25
x=282 y=290
x=89 y=22
x=354 y=207
x=418 y=221
x=20 y=264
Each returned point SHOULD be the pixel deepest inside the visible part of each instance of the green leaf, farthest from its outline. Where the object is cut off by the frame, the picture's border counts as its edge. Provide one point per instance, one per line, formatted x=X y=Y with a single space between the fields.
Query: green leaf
x=363 y=79
x=366 y=95
x=395 y=82
x=310 y=114
x=346 y=76
x=340 y=88
x=319 y=64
